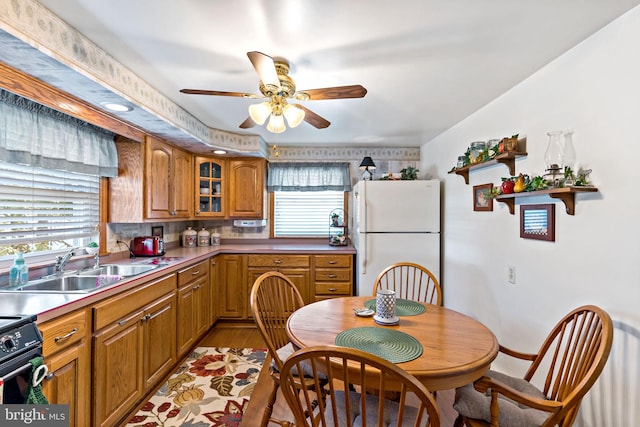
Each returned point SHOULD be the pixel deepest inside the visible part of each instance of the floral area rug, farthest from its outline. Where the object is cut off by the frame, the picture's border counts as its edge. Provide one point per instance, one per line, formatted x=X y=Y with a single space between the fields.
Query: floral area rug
x=211 y=388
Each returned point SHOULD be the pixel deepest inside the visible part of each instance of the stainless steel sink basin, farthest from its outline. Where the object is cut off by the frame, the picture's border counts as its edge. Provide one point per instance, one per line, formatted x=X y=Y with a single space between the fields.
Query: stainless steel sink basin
x=124 y=270
x=84 y=281
x=74 y=283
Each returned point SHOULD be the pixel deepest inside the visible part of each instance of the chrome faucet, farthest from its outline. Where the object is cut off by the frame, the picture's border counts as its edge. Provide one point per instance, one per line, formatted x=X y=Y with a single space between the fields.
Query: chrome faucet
x=61 y=261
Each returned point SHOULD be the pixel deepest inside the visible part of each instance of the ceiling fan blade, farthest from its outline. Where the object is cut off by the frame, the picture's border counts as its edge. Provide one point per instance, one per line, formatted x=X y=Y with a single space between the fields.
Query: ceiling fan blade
x=313 y=119
x=338 y=92
x=266 y=69
x=218 y=93
x=248 y=123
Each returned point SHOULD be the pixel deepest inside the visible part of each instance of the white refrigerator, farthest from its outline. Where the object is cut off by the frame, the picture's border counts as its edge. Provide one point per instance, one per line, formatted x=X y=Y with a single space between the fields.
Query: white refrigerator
x=395 y=221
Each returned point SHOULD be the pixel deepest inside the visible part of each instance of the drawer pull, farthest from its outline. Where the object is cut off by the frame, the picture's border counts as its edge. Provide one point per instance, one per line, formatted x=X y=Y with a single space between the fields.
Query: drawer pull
x=333 y=289
x=277 y=261
x=333 y=262
x=196 y=287
x=64 y=337
x=122 y=322
x=195 y=272
x=50 y=376
x=332 y=276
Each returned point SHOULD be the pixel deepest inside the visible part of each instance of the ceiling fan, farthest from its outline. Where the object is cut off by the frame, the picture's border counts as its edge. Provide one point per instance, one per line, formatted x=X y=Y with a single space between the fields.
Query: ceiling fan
x=277 y=87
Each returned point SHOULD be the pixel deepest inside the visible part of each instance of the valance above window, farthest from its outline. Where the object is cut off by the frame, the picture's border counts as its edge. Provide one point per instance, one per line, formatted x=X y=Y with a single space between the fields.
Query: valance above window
x=300 y=176
x=35 y=135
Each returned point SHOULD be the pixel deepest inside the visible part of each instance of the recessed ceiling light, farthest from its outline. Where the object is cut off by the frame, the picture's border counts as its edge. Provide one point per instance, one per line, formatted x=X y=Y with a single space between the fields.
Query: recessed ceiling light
x=219 y=152
x=113 y=106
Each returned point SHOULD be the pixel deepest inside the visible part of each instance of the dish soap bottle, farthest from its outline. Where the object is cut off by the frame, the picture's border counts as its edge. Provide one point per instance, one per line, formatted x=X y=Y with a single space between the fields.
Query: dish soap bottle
x=19 y=273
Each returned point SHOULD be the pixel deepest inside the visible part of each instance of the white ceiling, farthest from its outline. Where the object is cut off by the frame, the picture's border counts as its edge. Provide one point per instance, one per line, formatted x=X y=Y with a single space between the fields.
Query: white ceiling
x=427 y=64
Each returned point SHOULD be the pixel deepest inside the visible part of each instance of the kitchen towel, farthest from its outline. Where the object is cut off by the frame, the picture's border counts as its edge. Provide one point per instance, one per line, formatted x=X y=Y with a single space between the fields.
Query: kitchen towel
x=38 y=372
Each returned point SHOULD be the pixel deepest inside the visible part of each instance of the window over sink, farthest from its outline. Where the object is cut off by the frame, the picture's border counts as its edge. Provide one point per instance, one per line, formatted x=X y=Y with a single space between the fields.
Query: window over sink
x=43 y=210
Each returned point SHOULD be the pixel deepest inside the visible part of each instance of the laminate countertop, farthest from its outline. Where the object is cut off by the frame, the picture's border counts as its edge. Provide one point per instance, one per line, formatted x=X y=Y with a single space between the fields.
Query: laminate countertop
x=50 y=305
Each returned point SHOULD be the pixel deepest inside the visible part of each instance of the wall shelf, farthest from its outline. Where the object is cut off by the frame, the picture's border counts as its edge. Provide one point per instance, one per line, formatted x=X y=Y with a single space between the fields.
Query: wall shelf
x=508 y=159
x=566 y=194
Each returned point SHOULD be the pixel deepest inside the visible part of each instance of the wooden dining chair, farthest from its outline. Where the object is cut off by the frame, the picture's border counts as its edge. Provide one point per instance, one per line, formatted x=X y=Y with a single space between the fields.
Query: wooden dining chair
x=415 y=406
x=570 y=360
x=410 y=281
x=273 y=298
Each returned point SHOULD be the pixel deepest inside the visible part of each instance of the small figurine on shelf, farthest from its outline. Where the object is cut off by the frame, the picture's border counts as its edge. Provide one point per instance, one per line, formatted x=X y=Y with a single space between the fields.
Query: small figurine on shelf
x=338 y=239
x=335 y=219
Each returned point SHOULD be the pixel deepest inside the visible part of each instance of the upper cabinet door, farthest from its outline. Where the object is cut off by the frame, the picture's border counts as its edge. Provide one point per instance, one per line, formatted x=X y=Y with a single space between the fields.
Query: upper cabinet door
x=246 y=188
x=168 y=181
x=210 y=187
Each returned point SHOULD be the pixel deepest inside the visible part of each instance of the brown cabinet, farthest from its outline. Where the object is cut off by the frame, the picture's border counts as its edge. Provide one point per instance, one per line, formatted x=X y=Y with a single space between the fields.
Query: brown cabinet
x=134 y=347
x=67 y=353
x=295 y=267
x=214 y=289
x=333 y=276
x=210 y=187
x=246 y=188
x=232 y=300
x=168 y=172
x=154 y=182
x=193 y=318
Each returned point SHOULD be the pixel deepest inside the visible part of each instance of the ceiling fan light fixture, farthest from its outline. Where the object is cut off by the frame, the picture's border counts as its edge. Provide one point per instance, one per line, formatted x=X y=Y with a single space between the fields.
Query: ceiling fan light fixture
x=276 y=124
x=260 y=112
x=293 y=114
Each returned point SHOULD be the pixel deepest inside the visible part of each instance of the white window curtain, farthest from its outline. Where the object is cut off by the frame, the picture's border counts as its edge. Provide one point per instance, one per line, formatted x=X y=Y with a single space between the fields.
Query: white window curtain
x=35 y=135
x=301 y=176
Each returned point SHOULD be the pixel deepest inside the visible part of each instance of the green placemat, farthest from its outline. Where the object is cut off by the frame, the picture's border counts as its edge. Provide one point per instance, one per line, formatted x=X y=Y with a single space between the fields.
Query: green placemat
x=395 y=346
x=404 y=307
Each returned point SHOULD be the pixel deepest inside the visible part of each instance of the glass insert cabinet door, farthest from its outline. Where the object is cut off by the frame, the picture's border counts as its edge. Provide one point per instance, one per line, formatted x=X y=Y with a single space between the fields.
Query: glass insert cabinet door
x=210 y=175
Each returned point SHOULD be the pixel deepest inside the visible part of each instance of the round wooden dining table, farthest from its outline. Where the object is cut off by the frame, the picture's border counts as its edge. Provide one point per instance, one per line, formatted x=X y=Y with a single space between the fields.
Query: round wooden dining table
x=456 y=348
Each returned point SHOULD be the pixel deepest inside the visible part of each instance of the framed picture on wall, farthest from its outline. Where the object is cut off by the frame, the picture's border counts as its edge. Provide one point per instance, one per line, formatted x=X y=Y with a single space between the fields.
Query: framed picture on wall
x=157 y=231
x=538 y=222
x=482 y=200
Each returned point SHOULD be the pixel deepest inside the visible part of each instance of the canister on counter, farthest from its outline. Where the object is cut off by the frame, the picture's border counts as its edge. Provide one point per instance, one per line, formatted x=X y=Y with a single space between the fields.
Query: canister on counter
x=203 y=237
x=215 y=238
x=189 y=238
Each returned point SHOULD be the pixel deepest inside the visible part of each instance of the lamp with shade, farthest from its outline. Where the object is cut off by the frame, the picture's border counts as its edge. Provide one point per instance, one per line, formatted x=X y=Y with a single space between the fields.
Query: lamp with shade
x=365 y=165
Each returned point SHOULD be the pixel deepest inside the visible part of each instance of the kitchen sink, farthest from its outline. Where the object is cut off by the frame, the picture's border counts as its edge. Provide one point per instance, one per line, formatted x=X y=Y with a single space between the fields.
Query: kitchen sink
x=124 y=270
x=72 y=283
x=84 y=281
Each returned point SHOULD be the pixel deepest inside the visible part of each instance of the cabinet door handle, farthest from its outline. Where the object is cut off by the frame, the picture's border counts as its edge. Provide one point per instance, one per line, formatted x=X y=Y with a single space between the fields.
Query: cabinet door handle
x=50 y=376
x=64 y=337
x=196 y=287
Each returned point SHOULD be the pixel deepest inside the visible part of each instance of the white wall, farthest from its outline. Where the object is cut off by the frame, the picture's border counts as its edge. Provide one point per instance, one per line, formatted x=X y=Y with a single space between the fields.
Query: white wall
x=595 y=90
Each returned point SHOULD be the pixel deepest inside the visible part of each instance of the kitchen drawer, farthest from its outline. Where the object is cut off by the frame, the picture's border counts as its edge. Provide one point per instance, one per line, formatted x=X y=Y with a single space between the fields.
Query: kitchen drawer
x=333 y=260
x=333 y=289
x=64 y=331
x=122 y=305
x=332 y=275
x=278 y=261
x=192 y=273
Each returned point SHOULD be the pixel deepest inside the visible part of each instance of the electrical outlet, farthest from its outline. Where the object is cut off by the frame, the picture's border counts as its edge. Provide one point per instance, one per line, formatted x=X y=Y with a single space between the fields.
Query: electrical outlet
x=511 y=274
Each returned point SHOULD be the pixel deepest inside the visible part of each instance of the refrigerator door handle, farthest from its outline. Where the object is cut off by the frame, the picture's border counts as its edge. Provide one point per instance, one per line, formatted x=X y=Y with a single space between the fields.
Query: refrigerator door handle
x=363 y=264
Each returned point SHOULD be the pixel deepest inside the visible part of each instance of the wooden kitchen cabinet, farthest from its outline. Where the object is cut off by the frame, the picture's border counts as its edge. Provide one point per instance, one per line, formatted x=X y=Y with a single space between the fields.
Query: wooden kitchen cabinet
x=246 y=179
x=233 y=298
x=193 y=318
x=154 y=181
x=67 y=354
x=333 y=276
x=134 y=347
x=210 y=192
x=168 y=172
x=295 y=267
x=214 y=283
